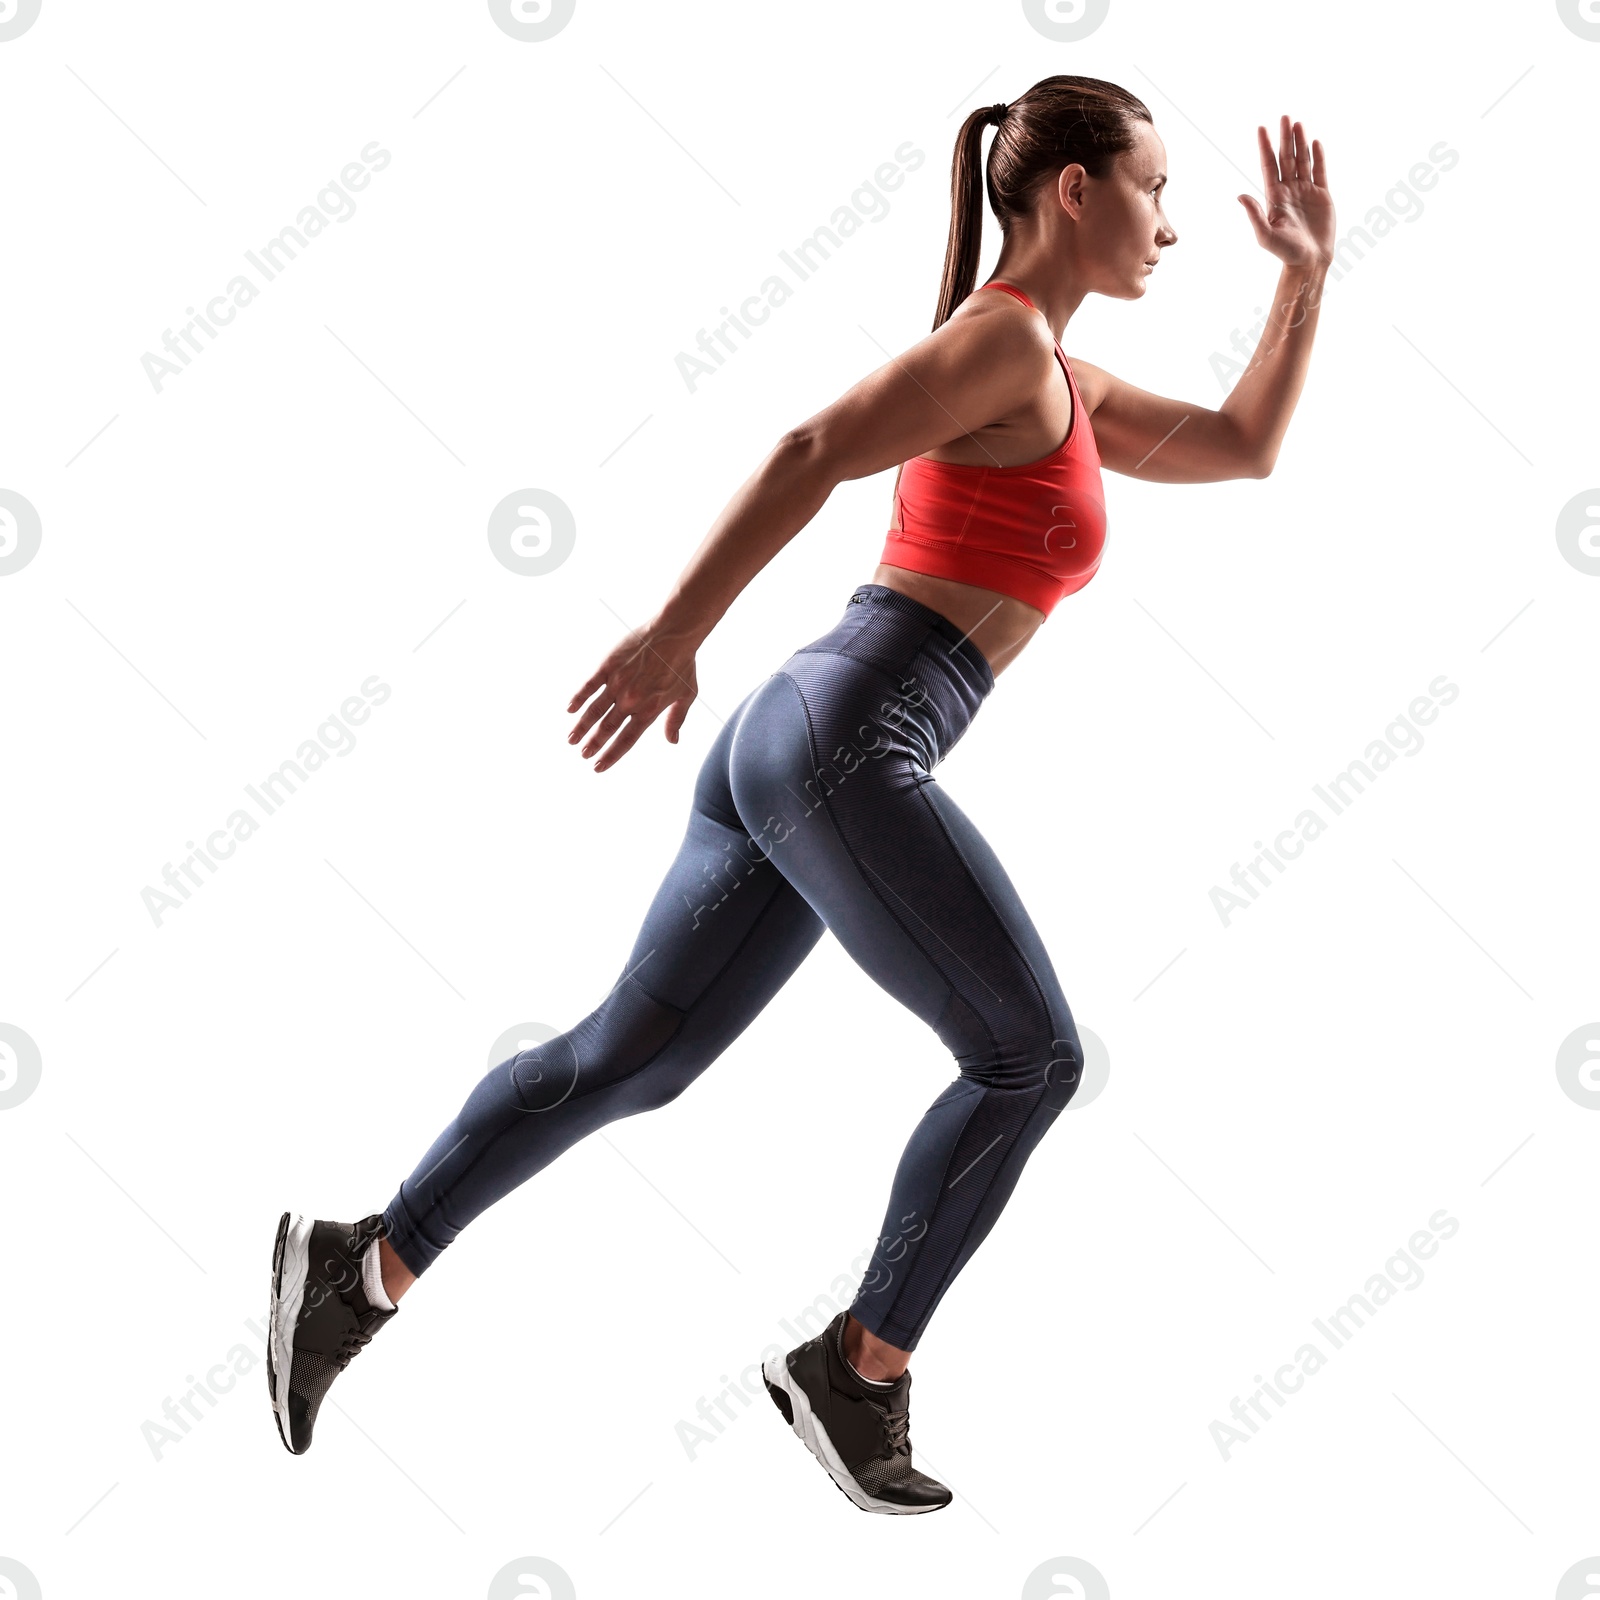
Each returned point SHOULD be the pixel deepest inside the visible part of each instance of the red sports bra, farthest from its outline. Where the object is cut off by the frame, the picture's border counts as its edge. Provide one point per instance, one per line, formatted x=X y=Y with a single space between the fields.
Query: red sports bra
x=1034 y=531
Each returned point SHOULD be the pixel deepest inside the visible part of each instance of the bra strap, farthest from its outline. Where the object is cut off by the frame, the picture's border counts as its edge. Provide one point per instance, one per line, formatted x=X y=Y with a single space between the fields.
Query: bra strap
x=1060 y=353
x=1007 y=289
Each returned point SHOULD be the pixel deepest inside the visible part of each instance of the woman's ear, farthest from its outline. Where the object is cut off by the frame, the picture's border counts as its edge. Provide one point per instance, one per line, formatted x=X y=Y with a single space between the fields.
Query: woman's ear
x=1072 y=190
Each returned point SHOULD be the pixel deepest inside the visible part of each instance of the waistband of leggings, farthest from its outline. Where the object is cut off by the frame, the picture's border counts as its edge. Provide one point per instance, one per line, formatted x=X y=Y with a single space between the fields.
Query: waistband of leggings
x=881 y=595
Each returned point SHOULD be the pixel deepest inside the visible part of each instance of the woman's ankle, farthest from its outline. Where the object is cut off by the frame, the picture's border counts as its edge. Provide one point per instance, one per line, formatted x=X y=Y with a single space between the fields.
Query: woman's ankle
x=871 y=1356
x=397 y=1276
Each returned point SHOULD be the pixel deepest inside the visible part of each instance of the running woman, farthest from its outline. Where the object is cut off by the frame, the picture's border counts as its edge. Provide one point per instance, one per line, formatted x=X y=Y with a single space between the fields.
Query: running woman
x=817 y=805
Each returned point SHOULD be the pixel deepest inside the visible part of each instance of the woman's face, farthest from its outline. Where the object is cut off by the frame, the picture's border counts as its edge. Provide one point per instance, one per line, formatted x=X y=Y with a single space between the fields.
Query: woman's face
x=1122 y=226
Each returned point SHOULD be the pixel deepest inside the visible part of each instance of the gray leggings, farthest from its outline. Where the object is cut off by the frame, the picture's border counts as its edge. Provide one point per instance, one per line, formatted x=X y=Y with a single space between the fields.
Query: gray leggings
x=816 y=807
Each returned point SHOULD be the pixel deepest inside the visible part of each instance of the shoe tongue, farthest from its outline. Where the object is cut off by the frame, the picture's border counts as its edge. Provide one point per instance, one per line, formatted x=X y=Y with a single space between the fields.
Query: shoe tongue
x=355 y=1294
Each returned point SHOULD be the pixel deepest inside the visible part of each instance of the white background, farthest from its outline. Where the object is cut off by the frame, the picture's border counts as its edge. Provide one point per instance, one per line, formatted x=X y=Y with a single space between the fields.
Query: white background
x=1291 y=1097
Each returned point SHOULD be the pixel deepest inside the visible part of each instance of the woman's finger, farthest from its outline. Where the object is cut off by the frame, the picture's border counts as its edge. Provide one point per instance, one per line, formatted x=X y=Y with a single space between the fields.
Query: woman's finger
x=587 y=688
x=676 y=712
x=1319 y=168
x=620 y=746
x=1285 y=148
x=597 y=708
x=1269 y=167
x=609 y=724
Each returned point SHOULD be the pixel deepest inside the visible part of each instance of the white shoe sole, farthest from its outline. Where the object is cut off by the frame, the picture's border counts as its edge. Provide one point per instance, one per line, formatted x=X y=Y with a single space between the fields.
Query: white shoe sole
x=288 y=1291
x=815 y=1438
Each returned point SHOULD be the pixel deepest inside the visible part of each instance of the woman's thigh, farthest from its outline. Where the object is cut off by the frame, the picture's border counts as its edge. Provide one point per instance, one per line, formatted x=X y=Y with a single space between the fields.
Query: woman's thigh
x=895 y=868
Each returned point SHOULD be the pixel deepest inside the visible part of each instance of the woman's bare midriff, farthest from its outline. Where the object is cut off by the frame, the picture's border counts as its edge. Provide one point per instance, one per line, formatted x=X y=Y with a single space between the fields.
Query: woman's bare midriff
x=997 y=624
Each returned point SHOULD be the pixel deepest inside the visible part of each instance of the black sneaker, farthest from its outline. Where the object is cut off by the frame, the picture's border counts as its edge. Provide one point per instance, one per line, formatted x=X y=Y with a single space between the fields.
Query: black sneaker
x=859 y=1433
x=320 y=1316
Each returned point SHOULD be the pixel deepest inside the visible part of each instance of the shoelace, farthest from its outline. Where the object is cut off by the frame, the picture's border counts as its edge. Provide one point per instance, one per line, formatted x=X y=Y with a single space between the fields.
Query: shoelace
x=897 y=1431
x=352 y=1345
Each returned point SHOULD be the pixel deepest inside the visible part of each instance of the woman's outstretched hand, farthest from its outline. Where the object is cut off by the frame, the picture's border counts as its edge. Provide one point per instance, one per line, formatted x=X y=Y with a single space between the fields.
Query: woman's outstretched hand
x=1298 y=224
x=645 y=674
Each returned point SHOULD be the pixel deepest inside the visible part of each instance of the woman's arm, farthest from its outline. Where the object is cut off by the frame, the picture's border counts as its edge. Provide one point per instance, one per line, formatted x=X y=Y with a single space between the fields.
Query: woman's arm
x=1145 y=435
x=955 y=380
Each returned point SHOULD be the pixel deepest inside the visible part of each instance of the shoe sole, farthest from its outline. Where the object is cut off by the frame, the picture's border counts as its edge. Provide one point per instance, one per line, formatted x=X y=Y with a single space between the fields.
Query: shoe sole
x=790 y=1399
x=291 y=1254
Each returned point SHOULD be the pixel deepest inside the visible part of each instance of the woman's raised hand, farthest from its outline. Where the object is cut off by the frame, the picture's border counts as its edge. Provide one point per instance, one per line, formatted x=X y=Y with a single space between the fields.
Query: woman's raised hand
x=1298 y=225
x=645 y=674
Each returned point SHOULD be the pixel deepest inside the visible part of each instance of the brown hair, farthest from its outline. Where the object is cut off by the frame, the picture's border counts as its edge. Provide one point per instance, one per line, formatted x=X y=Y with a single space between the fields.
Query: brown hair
x=1059 y=121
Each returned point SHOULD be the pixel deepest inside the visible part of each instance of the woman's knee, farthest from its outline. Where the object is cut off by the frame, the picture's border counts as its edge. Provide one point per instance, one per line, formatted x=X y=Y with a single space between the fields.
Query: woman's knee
x=1044 y=1059
x=616 y=1042
x=1064 y=1071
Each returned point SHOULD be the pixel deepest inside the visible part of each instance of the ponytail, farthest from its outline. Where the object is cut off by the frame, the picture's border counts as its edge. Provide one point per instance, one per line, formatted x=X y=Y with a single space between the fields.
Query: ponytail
x=966 y=215
x=1059 y=122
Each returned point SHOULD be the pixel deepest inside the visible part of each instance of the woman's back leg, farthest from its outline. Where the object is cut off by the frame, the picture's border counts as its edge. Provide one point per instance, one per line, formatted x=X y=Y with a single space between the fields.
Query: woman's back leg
x=723 y=934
